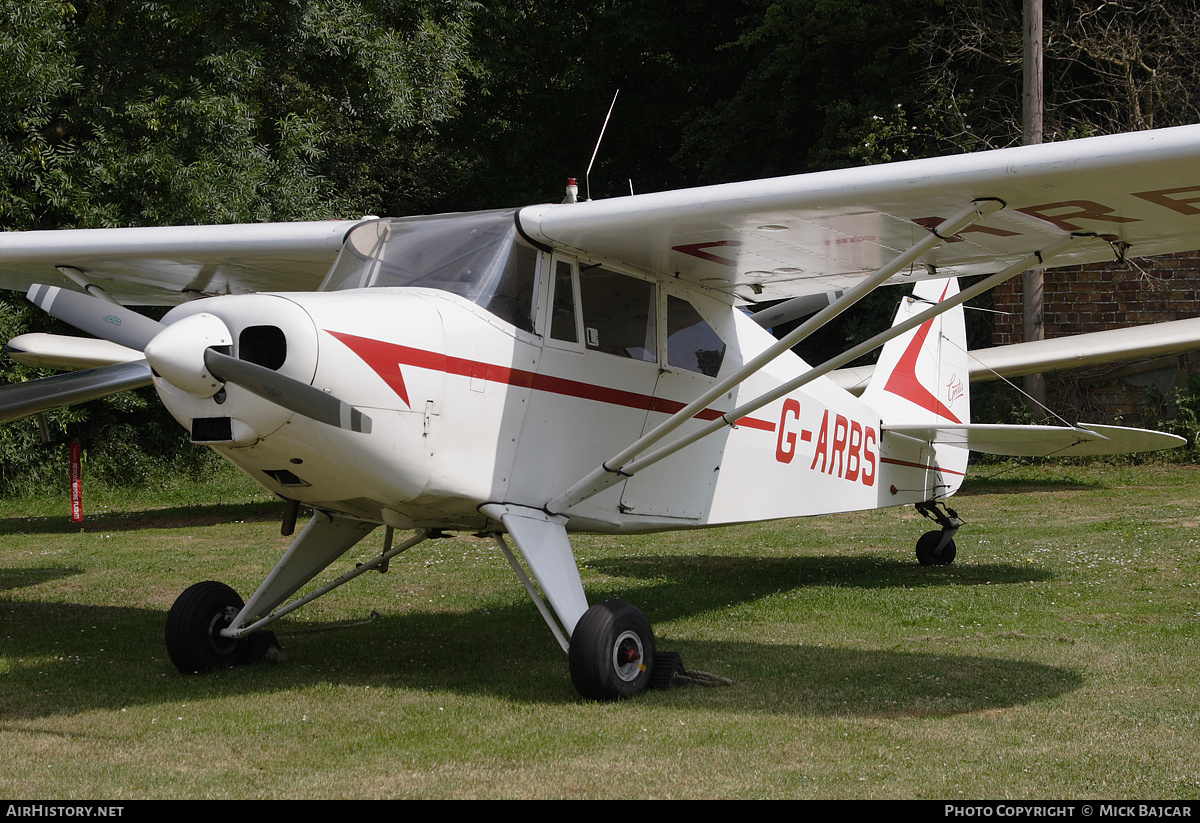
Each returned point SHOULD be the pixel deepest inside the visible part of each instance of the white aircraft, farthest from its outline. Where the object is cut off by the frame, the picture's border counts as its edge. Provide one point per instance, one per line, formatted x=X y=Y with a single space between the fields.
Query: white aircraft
x=589 y=366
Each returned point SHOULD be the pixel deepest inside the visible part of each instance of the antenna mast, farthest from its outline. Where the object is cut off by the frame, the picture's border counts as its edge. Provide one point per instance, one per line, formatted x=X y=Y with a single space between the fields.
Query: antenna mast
x=587 y=175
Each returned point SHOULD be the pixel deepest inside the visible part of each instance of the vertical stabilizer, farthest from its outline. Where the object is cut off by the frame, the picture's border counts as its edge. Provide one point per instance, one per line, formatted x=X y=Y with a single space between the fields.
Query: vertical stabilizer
x=922 y=376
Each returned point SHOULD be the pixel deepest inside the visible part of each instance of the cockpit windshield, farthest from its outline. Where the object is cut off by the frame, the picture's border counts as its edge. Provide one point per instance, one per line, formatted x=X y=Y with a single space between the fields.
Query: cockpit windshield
x=476 y=255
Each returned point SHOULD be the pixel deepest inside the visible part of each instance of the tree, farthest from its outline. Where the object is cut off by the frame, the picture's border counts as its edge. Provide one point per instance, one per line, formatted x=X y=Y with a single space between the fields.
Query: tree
x=137 y=112
x=193 y=111
x=822 y=84
x=1110 y=66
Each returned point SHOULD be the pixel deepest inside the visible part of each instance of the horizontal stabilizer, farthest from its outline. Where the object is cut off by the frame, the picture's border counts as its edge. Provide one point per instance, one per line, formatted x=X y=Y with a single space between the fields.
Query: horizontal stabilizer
x=1085 y=439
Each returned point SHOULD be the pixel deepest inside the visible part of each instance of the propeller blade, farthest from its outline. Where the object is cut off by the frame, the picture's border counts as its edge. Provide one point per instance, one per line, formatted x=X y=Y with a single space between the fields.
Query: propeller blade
x=57 y=351
x=105 y=320
x=19 y=400
x=284 y=391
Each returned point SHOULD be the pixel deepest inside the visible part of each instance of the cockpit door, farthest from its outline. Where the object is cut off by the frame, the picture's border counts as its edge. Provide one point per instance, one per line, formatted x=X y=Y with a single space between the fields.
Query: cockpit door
x=595 y=375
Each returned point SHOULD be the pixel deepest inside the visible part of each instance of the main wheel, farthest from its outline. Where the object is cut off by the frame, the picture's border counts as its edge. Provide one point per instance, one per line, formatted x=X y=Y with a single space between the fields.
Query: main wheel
x=194 y=623
x=612 y=651
x=927 y=553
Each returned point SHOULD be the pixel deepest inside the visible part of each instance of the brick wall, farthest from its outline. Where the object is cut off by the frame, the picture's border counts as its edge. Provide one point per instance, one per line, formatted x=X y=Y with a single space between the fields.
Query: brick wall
x=1108 y=296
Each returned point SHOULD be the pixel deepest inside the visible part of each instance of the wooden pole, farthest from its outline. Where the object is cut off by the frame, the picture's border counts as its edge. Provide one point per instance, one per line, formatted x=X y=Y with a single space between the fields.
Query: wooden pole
x=1033 y=282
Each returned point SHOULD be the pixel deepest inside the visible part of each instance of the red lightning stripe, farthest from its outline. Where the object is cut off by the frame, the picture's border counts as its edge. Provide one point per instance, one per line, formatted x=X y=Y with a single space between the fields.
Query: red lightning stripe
x=385 y=359
x=903 y=380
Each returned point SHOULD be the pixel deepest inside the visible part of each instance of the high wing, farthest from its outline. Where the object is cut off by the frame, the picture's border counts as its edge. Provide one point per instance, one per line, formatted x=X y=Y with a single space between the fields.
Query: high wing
x=163 y=266
x=762 y=240
x=790 y=236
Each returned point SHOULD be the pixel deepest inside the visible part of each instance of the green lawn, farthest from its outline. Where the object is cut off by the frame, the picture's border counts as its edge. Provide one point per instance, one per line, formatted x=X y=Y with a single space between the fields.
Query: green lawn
x=1055 y=659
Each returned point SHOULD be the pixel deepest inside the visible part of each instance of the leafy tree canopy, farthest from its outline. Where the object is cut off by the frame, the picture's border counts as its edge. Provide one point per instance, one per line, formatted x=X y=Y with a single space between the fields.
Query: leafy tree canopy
x=134 y=112
x=141 y=112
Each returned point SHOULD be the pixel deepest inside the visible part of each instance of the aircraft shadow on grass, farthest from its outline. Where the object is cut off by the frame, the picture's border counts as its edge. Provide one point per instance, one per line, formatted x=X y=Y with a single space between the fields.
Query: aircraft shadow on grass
x=23 y=578
x=987 y=486
x=56 y=650
x=164 y=518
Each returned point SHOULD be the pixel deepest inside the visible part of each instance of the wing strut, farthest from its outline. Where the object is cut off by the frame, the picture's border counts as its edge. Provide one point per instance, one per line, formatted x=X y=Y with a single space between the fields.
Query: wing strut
x=612 y=470
x=730 y=418
x=634 y=458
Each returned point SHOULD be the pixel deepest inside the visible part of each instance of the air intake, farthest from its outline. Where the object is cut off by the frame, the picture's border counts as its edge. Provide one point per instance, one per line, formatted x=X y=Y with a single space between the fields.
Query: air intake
x=284 y=477
x=263 y=345
x=212 y=429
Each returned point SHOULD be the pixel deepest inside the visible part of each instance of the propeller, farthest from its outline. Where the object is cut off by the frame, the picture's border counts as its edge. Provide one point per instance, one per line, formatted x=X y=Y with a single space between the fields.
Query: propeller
x=186 y=354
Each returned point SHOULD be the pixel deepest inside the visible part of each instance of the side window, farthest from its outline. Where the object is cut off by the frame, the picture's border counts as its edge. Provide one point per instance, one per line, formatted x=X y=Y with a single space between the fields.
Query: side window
x=618 y=314
x=562 y=315
x=691 y=342
x=512 y=301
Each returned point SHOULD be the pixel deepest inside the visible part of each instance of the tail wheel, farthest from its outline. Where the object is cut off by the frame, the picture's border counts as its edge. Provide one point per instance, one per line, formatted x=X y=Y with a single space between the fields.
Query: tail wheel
x=927 y=550
x=194 y=623
x=612 y=651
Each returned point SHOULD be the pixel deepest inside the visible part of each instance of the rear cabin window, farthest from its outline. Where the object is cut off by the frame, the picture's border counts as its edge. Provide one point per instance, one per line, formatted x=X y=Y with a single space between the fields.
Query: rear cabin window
x=692 y=344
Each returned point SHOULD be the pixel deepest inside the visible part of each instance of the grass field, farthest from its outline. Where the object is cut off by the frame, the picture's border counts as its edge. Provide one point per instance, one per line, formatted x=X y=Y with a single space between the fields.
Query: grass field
x=1056 y=658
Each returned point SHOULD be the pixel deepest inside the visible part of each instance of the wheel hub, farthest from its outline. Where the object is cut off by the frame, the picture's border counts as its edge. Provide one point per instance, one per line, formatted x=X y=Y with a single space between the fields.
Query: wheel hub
x=627 y=656
x=216 y=641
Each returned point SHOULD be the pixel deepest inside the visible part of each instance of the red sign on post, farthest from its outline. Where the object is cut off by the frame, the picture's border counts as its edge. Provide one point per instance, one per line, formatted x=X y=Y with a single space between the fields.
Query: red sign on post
x=76 y=482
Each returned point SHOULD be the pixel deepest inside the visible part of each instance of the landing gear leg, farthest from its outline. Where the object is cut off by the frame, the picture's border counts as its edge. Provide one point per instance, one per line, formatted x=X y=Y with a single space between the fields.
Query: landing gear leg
x=610 y=649
x=209 y=627
x=937 y=548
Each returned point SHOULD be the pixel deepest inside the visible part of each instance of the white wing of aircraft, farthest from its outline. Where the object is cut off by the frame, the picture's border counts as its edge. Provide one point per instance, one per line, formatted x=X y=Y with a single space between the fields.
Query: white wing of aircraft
x=587 y=367
x=1076 y=351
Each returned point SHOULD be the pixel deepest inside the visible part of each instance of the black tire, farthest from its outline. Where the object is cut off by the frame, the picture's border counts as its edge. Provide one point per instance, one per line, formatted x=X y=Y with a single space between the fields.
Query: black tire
x=193 y=642
x=612 y=651
x=927 y=553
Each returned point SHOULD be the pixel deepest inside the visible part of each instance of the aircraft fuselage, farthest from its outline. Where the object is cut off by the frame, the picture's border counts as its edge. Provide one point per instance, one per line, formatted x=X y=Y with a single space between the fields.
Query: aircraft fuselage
x=452 y=389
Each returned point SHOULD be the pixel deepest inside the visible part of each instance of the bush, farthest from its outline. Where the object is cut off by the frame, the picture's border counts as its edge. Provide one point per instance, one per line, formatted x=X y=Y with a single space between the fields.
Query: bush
x=1179 y=415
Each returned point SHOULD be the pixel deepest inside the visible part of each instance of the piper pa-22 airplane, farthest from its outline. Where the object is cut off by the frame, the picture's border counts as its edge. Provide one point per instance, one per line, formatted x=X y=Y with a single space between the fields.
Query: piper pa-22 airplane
x=590 y=366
